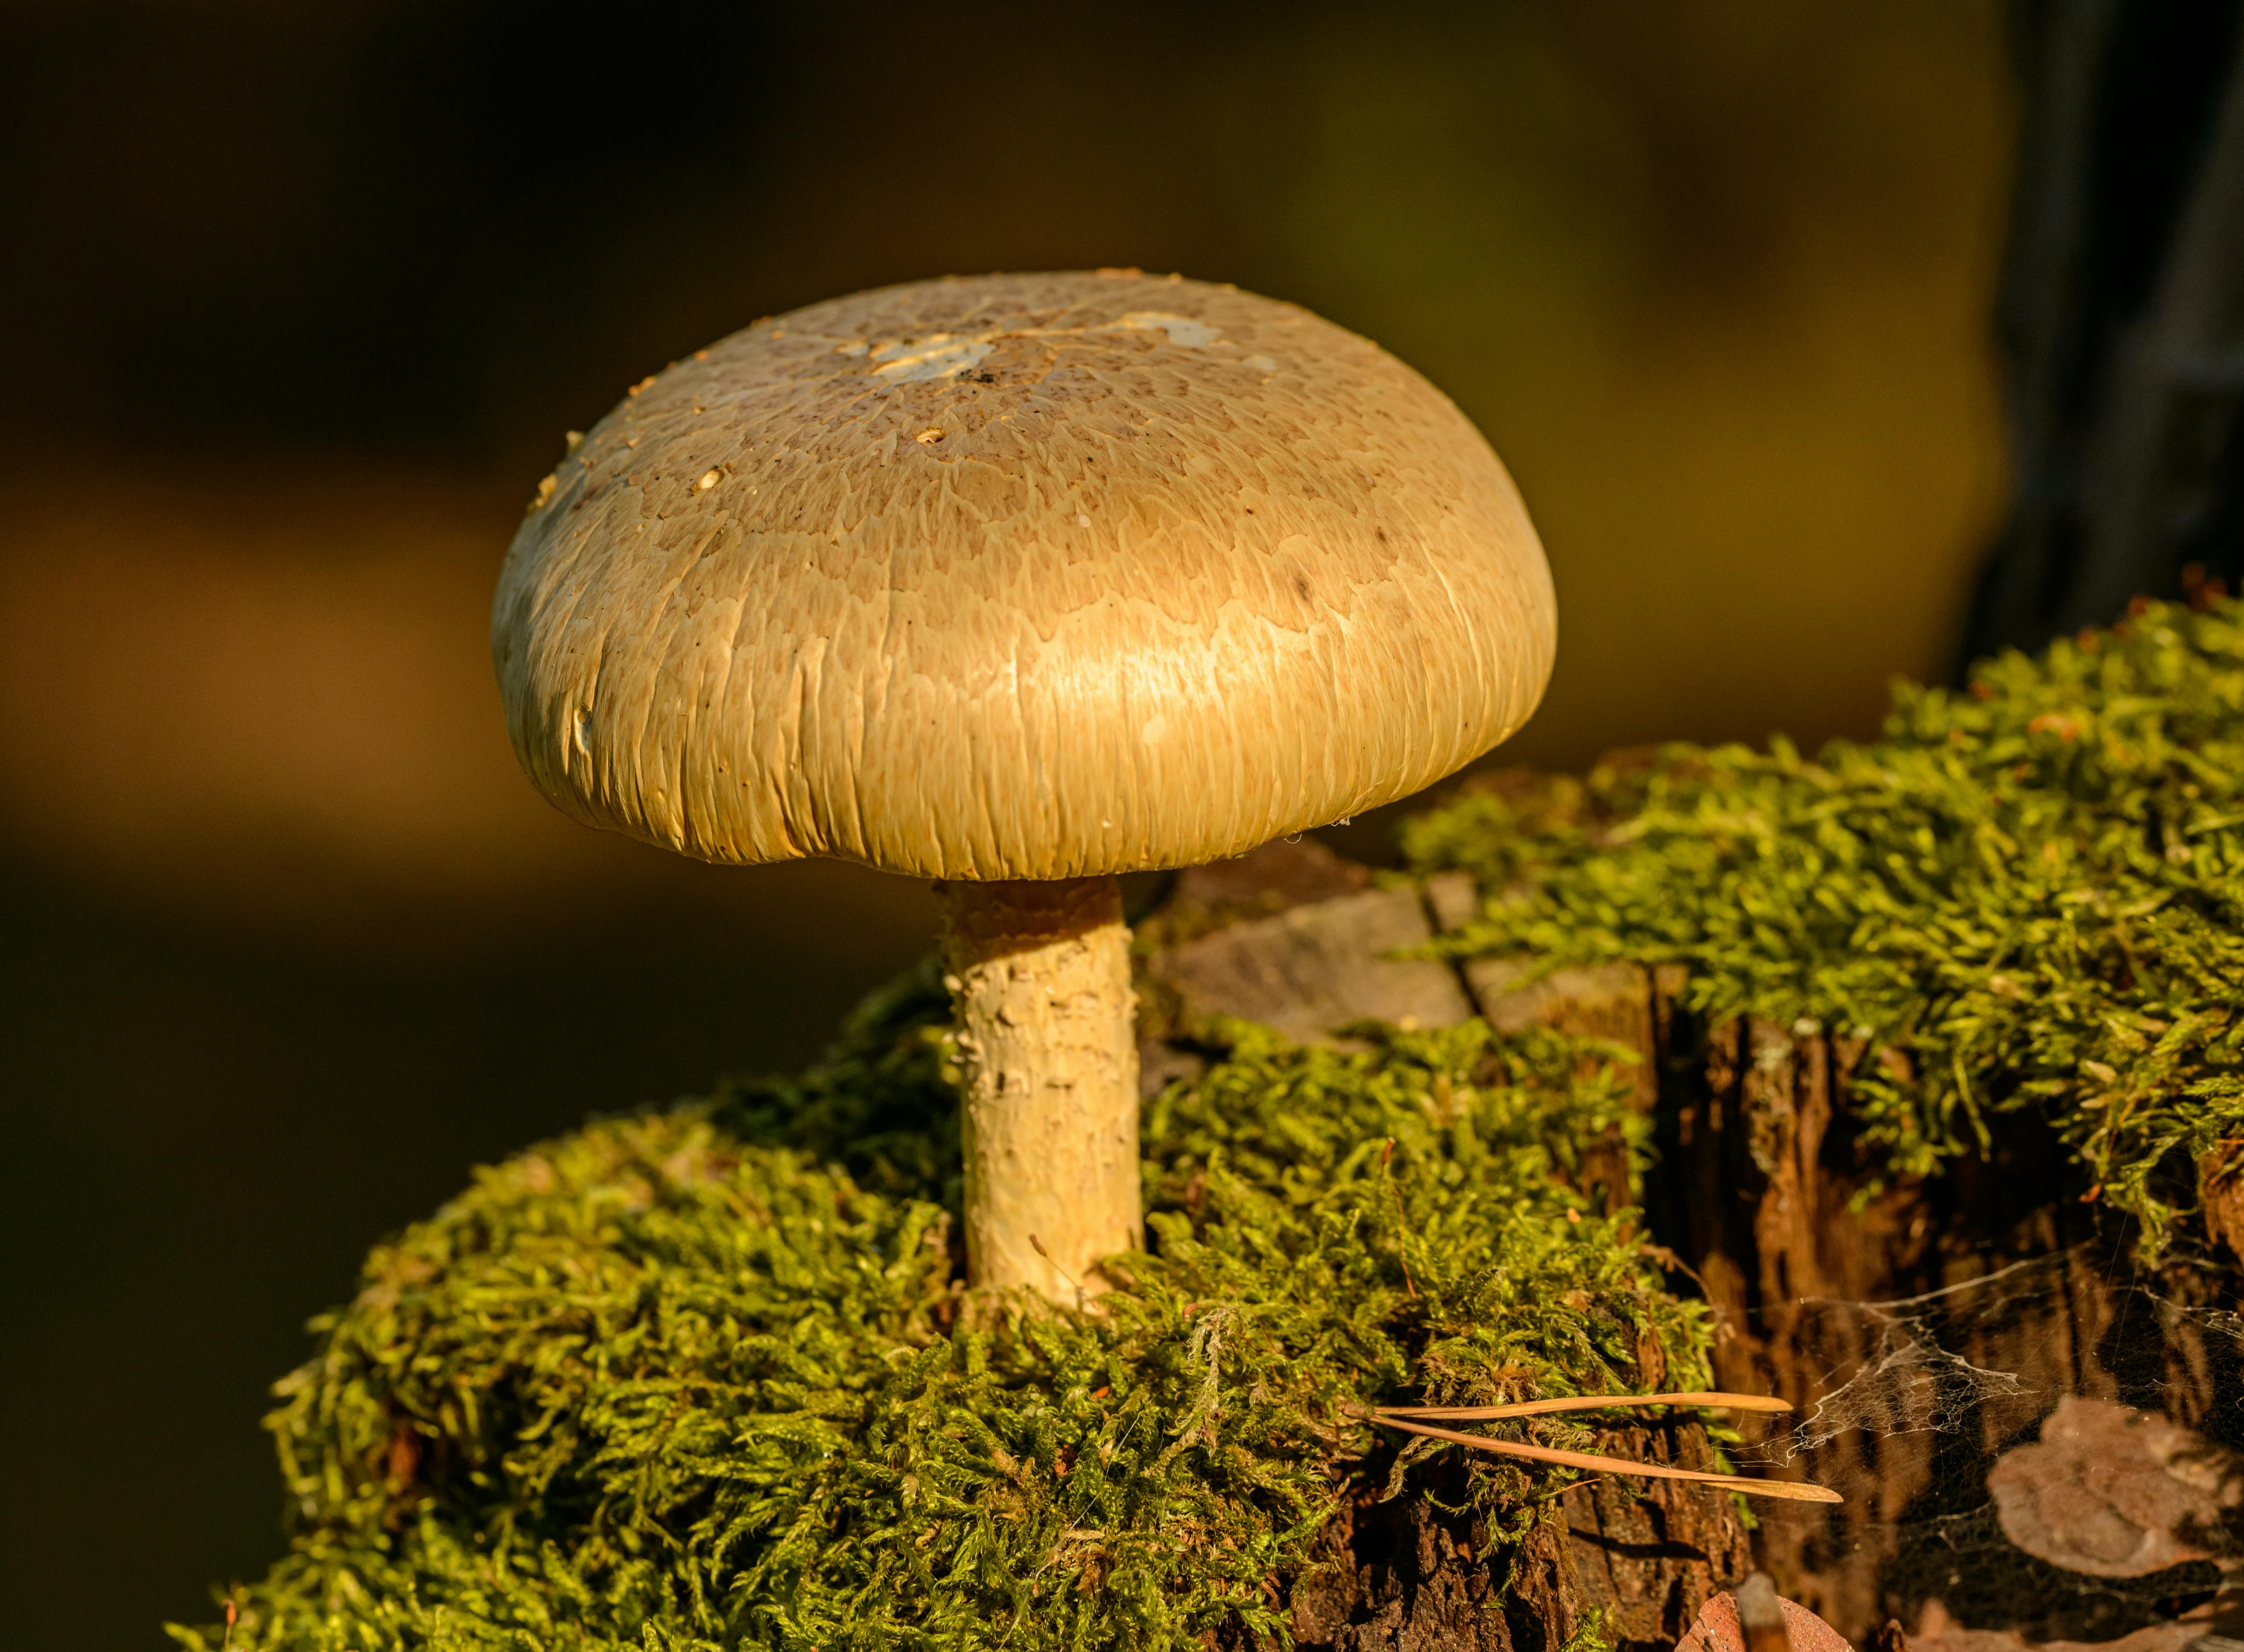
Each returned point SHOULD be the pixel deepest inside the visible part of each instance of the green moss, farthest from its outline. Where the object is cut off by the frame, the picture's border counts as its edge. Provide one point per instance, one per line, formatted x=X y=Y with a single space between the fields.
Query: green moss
x=2031 y=891
x=706 y=1379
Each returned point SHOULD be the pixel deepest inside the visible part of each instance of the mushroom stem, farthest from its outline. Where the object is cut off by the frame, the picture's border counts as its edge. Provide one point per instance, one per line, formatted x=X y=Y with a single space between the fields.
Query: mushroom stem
x=1039 y=976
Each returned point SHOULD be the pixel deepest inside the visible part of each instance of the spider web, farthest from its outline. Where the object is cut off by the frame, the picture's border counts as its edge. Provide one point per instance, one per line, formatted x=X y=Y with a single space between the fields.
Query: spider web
x=2050 y=1452
x=1909 y=1381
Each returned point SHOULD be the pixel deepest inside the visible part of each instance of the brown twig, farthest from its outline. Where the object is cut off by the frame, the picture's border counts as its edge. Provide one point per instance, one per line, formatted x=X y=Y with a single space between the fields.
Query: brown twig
x=1760 y=1615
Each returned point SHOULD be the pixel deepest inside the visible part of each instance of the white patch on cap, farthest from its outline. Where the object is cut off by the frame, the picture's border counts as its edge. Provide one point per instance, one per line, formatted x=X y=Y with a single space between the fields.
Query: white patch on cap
x=1156 y=730
x=940 y=355
x=1182 y=329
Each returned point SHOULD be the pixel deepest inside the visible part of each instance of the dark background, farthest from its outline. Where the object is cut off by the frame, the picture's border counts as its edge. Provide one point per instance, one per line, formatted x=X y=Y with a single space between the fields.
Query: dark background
x=296 y=302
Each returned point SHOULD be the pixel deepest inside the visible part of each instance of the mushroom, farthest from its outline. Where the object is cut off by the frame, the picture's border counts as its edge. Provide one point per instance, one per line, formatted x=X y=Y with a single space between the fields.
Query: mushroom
x=1020 y=582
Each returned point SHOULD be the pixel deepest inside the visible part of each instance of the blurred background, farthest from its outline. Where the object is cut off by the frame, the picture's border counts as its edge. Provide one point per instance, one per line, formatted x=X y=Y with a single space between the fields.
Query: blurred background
x=296 y=302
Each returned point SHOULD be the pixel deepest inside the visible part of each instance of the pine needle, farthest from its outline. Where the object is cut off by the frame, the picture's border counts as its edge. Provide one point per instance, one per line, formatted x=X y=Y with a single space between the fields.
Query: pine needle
x=1789 y=1490
x=1586 y=1402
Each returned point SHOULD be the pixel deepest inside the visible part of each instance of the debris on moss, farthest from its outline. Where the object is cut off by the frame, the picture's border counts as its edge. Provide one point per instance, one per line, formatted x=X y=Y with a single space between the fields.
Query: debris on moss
x=2026 y=898
x=707 y=1379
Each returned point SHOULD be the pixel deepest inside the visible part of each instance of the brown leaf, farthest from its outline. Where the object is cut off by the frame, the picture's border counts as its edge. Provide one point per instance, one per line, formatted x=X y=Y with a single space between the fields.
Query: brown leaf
x=1717 y=1628
x=2114 y=1492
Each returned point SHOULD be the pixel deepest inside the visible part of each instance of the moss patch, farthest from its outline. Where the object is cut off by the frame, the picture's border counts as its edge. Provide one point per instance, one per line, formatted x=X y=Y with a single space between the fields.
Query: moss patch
x=706 y=1379
x=2027 y=897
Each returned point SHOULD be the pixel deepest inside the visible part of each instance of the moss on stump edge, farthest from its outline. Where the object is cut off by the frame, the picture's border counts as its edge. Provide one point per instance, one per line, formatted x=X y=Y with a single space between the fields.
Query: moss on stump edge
x=2023 y=906
x=705 y=1378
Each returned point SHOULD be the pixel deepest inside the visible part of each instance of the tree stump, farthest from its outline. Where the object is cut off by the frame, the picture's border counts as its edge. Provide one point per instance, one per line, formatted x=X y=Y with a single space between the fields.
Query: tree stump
x=1294 y=937
x=1924 y=1331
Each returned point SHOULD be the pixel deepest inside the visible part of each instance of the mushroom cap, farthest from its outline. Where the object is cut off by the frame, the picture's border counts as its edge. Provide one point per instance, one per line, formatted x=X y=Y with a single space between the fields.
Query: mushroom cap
x=1019 y=577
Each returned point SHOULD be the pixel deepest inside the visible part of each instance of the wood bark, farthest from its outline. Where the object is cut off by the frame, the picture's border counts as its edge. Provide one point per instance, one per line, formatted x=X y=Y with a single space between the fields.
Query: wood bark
x=1039 y=975
x=1920 y=1329
x=1290 y=935
x=1413 y=1574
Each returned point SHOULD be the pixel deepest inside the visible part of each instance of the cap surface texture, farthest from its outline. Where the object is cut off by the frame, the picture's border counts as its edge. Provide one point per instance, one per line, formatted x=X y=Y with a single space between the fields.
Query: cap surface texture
x=1019 y=576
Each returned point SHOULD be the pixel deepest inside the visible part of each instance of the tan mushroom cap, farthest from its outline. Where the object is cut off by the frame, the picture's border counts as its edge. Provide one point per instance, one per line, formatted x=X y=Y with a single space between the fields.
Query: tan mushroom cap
x=1019 y=576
